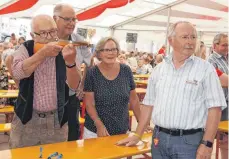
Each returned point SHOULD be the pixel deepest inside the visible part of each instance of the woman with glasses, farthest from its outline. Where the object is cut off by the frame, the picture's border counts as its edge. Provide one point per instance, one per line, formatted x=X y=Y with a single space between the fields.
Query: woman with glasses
x=109 y=87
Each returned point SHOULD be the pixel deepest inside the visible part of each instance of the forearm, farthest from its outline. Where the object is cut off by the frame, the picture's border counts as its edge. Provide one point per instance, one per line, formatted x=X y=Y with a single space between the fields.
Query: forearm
x=145 y=116
x=29 y=65
x=213 y=119
x=24 y=67
x=92 y=112
x=135 y=105
x=73 y=77
x=224 y=80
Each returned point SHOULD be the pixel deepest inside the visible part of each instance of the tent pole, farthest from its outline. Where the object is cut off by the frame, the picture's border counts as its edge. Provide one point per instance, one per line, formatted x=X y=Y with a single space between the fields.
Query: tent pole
x=167 y=31
x=112 y=32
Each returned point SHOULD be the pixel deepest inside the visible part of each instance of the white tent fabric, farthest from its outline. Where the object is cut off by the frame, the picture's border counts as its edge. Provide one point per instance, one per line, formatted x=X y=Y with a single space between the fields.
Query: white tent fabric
x=146 y=15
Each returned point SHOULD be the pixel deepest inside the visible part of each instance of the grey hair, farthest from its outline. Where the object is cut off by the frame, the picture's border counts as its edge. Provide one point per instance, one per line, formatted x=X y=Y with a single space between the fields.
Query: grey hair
x=171 y=31
x=102 y=42
x=218 y=37
x=57 y=9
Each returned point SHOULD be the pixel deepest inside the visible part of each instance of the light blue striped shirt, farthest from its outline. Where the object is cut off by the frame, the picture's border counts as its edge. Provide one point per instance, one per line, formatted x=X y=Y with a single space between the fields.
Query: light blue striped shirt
x=181 y=97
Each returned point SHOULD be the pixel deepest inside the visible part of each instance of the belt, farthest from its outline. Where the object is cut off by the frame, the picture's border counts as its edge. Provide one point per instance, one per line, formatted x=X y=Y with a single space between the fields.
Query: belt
x=179 y=132
x=45 y=114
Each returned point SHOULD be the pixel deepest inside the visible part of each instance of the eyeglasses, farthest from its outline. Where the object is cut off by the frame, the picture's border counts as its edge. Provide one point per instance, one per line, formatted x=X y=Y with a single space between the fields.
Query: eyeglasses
x=52 y=33
x=192 y=37
x=69 y=20
x=224 y=45
x=113 y=50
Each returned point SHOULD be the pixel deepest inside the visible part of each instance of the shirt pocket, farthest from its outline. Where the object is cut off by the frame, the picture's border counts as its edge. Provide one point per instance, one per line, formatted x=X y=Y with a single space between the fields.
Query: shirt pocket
x=191 y=89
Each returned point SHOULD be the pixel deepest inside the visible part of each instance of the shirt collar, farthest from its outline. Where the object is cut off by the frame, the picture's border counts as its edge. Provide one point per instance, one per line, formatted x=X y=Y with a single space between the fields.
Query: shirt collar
x=169 y=58
x=217 y=55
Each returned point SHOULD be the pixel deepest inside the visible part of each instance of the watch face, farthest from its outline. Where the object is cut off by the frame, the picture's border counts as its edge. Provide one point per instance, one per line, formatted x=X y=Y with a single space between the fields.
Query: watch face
x=207 y=143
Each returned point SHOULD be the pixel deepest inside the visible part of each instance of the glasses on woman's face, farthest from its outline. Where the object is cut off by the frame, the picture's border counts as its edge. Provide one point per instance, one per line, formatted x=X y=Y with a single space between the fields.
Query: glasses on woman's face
x=113 y=50
x=44 y=34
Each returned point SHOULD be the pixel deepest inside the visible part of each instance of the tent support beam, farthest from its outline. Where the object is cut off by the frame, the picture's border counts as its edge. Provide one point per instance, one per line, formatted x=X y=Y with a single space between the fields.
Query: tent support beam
x=8 y=3
x=91 y=6
x=148 y=13
x=167 y=31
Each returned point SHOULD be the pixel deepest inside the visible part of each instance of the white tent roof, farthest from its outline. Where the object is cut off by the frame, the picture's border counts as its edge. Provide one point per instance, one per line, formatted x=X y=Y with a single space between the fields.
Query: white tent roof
x=207 y=15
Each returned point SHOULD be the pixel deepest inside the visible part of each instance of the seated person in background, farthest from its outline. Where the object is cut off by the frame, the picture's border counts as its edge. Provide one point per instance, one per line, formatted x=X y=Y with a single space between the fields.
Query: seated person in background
x=1 y=48
x=158 y=59
x=21 y=40
x=109 y=87
x=13 y=39
x=8 y=63
x=151 y=60
x=141 y=70
x=132 y=60
x=122 y=59
x=162 y=50
x=3 y=82
x=147 y=66
x=7 y=50
x=48 y=82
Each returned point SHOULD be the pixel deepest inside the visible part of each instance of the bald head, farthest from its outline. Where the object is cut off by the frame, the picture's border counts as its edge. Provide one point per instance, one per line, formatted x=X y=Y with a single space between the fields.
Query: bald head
x=60 y=8
x=42 y=23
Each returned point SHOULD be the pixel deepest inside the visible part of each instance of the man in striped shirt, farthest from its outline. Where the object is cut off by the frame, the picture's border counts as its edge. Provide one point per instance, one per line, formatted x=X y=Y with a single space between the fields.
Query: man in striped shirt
x=219 y=59
x=185 y=98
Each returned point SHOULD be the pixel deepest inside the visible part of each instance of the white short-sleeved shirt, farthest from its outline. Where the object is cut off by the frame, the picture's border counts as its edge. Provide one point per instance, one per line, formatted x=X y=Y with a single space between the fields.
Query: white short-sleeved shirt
x=181 y=97
x=83 y=53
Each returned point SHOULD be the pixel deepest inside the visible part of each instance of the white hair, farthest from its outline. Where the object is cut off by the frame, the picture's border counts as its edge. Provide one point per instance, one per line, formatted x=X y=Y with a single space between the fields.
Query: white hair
x=172 y=28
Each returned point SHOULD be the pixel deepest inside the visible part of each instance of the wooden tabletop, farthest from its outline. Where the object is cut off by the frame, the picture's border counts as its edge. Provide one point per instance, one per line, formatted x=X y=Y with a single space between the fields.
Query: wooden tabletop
x=142 y=76
x=6 y=110
x=140 y=90
x=11 y=82
x=8 y=93
x=223 y=126
x=145 y=82
x=99 y=148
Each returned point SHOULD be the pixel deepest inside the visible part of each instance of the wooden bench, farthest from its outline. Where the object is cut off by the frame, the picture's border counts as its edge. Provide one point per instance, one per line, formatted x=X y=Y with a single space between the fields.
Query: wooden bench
x=5 y=127
x=8 y=110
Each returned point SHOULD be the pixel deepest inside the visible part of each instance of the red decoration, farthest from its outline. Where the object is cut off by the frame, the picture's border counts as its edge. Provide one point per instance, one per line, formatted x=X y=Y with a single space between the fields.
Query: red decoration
x=96 y=11
x=18 y=6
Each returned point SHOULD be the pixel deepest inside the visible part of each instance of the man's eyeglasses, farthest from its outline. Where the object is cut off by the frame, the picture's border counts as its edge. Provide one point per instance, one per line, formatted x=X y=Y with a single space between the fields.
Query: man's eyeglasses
x=69 y=20
x=113 y=50
x=224 y=45
x=52 y=33
x=192 y=37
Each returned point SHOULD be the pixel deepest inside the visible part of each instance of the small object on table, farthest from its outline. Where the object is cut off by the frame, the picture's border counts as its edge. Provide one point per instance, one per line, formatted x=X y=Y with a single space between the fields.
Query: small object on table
x=41 y=151
x=53 y=155
x=59 y=156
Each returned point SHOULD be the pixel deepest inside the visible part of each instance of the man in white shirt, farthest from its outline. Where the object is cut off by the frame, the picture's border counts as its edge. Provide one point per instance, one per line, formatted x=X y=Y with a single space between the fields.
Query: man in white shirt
x=185 y=98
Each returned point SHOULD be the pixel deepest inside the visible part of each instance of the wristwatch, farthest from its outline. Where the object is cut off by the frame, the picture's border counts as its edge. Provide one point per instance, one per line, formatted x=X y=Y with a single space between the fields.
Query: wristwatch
x=207 y=143
x=71 y=66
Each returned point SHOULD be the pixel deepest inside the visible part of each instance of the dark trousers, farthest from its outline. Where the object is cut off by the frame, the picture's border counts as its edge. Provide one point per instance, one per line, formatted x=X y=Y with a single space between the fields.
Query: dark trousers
x=73 y=121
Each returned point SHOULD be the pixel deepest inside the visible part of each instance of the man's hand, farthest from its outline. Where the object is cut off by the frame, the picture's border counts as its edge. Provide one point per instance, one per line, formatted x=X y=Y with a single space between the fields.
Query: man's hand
x=203 y=152
x=129 y=141
x=69 y=54
x=51 y=49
